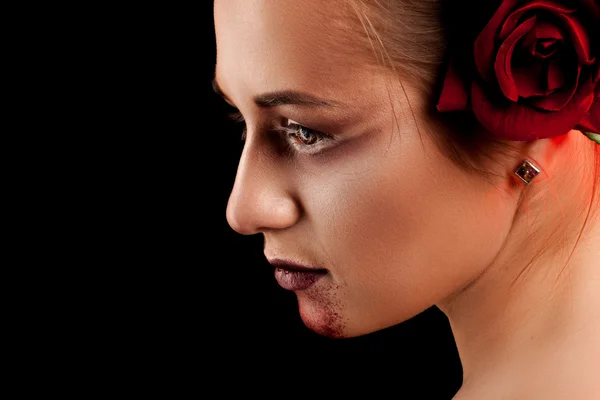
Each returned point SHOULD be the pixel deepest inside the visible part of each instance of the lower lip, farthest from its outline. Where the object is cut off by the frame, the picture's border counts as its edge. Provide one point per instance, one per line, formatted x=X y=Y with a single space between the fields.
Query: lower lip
x=297 y=280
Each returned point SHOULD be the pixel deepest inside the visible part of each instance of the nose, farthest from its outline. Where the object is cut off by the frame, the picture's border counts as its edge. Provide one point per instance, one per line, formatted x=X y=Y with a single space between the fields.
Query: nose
x=260 y=199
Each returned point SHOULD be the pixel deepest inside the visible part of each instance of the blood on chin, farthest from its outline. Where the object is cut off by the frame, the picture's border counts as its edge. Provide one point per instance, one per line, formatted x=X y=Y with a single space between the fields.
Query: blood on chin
x=322 y=315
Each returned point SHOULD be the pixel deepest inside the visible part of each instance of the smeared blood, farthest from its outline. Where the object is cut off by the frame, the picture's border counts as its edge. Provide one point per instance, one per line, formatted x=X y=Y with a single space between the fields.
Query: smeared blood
x=326 y=312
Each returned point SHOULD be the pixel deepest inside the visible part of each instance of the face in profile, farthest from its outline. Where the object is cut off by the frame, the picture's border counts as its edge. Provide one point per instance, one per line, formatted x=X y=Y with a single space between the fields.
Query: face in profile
x=340 y=173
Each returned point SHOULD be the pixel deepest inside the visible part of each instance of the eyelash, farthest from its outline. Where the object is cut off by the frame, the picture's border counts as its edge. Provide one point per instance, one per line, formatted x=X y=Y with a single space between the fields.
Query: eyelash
x=290 y=133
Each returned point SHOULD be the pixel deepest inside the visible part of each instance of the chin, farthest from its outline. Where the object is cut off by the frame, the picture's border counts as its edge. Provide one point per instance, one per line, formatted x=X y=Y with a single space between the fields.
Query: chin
x=323 y=317
x=330 y=319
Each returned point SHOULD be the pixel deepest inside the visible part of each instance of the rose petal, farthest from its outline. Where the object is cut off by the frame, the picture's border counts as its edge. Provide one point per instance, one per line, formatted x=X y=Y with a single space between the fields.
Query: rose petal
x=484 y=47
x=580 y=39
x=559 y=99
x=546 y=30
x=503 y=65
x=529 y=80
x=591 y=120
x=549 y=47
x=513 y=19
x=454 y=96
x=556 y=76
x=519 y=122
x=544 y=34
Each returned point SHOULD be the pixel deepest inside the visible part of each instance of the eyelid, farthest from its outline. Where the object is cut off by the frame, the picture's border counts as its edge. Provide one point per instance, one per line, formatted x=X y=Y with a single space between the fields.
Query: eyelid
x=323 y=135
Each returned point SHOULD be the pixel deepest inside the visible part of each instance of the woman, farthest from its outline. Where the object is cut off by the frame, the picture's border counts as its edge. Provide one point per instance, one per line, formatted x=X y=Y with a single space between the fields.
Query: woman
x=397 y=157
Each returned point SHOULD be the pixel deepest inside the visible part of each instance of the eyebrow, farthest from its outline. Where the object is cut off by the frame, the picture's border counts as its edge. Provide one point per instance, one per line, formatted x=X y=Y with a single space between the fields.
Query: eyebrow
x=281 y=98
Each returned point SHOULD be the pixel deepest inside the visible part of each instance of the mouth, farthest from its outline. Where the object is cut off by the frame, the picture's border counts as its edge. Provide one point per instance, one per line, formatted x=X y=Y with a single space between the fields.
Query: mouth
x=294 y=276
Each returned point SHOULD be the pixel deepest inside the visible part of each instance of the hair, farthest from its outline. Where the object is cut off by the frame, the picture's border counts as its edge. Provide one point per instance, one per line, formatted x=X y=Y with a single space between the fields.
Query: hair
x=414 y=38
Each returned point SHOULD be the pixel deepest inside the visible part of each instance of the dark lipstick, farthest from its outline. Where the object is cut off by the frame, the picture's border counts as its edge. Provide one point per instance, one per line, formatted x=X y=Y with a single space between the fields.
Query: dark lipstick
x=293 y=276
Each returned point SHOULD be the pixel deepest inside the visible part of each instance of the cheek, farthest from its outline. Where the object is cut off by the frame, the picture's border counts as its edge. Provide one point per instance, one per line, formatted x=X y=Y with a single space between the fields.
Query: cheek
x=401 y=242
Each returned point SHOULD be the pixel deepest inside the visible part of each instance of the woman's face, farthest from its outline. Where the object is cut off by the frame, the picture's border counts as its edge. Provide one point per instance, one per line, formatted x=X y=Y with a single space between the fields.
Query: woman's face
x=396 y=224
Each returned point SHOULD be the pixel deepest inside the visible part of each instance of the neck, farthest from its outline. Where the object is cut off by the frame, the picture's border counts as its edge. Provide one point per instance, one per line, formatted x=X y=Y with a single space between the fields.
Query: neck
x=518 y=313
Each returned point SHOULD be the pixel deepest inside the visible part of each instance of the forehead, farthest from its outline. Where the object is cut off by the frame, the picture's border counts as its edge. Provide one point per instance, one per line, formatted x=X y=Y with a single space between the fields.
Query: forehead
x=276 y=44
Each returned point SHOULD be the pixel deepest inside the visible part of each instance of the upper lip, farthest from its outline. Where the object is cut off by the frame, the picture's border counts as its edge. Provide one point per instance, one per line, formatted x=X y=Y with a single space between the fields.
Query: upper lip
x=293 y=266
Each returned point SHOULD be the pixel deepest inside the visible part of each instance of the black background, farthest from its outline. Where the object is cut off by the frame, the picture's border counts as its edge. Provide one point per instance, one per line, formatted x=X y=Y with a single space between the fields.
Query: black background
x=174 y=295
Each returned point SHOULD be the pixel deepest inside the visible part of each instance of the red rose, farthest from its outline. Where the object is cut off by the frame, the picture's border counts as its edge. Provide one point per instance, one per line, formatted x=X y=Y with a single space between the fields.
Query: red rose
x=536 y=70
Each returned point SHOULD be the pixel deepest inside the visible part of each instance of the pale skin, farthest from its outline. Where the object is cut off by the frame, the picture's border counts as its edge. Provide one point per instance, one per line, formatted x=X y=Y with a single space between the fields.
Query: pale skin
x=398 y=226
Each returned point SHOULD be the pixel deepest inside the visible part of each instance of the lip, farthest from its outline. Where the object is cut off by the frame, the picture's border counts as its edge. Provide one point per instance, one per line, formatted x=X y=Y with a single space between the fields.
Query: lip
x=294 y=276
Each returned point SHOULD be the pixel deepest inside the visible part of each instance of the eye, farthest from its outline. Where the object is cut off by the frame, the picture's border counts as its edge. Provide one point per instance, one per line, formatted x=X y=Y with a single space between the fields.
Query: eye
x=302 y=138
x=298 y=137
x=305 y=136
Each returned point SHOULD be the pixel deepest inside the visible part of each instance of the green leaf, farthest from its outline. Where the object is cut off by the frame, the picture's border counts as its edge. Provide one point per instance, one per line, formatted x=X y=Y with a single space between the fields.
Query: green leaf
x=593 y=136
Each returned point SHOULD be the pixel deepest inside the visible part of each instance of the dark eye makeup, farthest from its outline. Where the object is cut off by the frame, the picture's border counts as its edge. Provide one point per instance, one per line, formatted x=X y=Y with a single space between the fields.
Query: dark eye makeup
x=299 y=137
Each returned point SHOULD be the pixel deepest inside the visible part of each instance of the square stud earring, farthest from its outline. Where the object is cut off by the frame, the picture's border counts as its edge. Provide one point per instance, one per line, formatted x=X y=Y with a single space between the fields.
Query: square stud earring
x=527 y=171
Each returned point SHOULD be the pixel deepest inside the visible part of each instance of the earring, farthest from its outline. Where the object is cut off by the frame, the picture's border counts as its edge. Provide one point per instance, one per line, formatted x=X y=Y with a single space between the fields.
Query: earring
x=527 y=171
